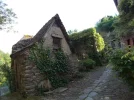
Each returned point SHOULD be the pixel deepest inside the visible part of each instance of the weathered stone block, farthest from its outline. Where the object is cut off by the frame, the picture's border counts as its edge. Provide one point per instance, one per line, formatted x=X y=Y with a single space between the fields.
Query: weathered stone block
x=28 y=87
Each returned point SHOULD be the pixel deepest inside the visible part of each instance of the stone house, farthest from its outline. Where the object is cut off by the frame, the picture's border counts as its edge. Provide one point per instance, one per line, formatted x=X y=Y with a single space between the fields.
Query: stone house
x=27 y=76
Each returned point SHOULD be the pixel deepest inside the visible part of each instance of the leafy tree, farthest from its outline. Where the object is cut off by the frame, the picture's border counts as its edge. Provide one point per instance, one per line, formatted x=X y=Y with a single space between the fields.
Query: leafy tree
x=4 y=66
x=106 y=24
x=125 y=22
x=72 y=31
x=7 y=16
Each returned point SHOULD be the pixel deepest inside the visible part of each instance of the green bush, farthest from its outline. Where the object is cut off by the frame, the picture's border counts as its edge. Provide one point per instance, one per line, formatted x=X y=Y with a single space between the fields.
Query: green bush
x=95 y=57
x=87 y=64
x=123 y=63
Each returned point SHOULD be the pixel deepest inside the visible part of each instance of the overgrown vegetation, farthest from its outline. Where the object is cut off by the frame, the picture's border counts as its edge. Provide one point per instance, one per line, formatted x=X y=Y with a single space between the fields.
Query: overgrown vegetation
x=106 y=24
x=87 y=44
x=6 y=74
x=53 y=66
x=87 y=65
x=87 y=34
x=4 y=61
x=106 y=27
x=125 y=22
x=123 y=62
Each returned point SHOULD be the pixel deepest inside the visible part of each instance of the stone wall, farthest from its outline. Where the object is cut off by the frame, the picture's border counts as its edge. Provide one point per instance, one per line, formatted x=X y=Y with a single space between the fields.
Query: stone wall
x=73 y=64
x=56 y=32
x=27 y=75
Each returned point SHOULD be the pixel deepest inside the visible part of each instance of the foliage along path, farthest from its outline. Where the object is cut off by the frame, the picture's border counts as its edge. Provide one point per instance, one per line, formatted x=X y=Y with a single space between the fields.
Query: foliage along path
x=99 y=84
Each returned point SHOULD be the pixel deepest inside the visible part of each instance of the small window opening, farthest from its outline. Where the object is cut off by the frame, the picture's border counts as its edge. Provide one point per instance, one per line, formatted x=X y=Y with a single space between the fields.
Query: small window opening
x=128 y=42
x=133 y=41
x=56 y=43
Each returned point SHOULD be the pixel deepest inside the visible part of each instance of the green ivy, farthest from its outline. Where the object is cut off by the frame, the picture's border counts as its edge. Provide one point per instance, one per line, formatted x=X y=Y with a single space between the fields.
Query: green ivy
x=90 y=41
x=52 y=65
x=88 y=37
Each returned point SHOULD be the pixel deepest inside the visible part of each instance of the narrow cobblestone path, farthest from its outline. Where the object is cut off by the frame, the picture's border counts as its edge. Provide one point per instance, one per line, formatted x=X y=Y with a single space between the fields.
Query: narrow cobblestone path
x=107 y=87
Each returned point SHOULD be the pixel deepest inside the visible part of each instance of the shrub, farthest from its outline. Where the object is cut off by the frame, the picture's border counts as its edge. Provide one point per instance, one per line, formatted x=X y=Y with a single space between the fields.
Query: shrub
x=95 y=57
x=123 y=63
x=87 y=64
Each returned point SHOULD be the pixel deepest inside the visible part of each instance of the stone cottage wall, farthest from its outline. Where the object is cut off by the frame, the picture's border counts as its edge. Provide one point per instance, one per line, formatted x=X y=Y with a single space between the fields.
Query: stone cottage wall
x=29 y=74
x=56 y=32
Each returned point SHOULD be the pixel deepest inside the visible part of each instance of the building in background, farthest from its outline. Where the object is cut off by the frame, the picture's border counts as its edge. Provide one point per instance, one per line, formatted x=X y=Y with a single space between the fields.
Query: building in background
x=127 y=40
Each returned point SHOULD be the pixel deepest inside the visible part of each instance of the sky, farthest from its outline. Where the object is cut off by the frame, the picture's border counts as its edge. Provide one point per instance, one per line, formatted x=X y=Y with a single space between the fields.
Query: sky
x=33 y=14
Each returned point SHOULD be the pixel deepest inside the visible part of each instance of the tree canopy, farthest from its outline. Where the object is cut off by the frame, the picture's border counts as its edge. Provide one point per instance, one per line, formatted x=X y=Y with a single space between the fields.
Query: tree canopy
x=7 y=16
x=106 y=24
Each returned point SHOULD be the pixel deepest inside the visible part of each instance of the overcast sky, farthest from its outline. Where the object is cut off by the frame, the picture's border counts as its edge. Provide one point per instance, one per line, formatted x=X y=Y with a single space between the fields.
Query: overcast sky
x=33 y=14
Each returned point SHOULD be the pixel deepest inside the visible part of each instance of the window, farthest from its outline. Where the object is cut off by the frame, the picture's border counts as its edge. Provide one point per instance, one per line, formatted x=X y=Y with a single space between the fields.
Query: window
x=56 y=43
x=128 y=42
x=133 y=41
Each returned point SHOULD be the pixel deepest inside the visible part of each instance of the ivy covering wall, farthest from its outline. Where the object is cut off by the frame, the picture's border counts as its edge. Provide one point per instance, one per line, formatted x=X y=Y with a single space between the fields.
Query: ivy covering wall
x=87 y=44
x=52 y=65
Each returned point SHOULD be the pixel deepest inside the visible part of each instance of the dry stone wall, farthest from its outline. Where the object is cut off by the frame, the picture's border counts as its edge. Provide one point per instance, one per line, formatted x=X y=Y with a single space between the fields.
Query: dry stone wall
x=30 y=75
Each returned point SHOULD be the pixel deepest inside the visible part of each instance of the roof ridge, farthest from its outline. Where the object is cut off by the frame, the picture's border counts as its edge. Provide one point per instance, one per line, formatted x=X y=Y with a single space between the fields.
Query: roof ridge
x=40 y=34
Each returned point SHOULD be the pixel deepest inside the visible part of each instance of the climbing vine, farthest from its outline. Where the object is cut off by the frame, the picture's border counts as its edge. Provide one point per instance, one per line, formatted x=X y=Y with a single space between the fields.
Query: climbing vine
x=88 y=37
x=88 y=41
x=53 y=65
